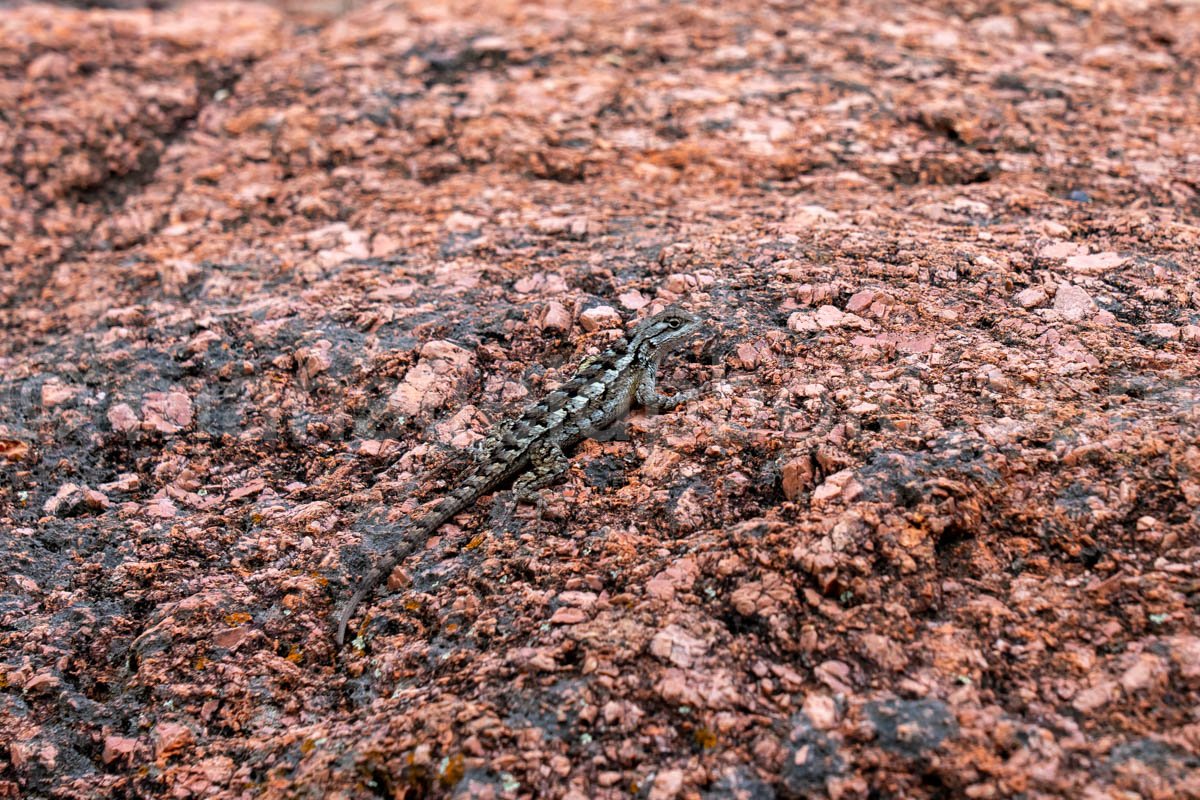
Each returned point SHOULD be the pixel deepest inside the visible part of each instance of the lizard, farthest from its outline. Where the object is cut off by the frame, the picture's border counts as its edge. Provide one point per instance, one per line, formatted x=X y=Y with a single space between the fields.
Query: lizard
x=529 y=449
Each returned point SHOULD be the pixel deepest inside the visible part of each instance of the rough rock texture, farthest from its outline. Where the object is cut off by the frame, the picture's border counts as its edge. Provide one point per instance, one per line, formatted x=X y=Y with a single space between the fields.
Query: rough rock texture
x=930 y=531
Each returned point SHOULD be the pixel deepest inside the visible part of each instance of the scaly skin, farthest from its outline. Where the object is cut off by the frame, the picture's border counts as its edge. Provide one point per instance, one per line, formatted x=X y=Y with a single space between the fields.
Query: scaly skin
x=530 y=447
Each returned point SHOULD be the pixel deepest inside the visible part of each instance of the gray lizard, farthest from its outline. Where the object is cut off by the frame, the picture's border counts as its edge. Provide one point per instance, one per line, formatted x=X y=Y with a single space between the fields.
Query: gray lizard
x=528 y=449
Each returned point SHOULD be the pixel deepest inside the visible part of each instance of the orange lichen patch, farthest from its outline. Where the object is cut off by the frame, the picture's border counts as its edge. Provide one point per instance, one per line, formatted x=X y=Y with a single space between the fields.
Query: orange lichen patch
x=705 y=738
x=13 y=450
x=452 y=770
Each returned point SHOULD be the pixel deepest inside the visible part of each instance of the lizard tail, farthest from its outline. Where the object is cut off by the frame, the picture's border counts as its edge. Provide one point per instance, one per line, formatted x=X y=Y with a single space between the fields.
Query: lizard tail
x=343 y=618
x=373 y=579
x=376 y=576
x=455 y=502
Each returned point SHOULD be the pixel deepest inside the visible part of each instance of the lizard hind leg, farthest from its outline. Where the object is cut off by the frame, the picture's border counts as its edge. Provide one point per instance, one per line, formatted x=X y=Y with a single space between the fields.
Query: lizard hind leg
x=546 y=465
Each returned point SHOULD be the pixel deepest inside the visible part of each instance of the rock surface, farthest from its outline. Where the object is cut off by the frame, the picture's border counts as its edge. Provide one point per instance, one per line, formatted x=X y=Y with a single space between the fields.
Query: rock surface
x=929 y=530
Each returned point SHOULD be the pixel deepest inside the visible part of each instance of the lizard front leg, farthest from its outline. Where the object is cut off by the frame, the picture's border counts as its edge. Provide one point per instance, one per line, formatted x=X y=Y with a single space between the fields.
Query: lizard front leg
x=651 y=399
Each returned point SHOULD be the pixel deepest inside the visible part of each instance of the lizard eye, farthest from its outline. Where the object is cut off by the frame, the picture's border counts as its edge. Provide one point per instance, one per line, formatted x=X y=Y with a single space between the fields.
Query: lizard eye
x=675 y=323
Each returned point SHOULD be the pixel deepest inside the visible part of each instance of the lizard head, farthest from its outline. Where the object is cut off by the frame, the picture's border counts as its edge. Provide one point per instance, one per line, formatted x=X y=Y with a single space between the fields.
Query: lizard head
x=658 y=335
